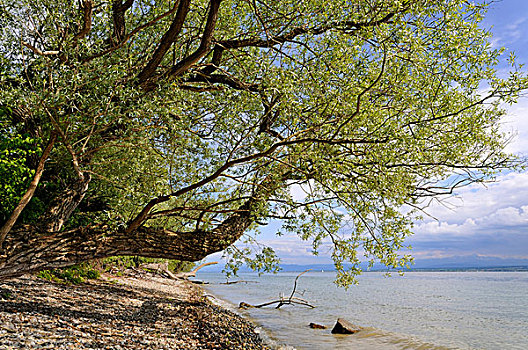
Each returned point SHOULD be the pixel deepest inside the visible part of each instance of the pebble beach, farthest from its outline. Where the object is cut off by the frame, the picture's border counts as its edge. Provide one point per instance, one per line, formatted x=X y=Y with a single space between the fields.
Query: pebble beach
x=143 y=312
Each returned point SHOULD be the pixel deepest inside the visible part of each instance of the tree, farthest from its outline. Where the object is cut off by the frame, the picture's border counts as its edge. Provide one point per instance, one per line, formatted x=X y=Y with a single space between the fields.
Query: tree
x=173 y=128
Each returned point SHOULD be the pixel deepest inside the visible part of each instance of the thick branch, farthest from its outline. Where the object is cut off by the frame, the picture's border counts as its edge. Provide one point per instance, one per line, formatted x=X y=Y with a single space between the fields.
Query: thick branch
x=118 y=16
x=31 y=249
x=205 y=43
x=87 y=20
x=63 y=206
x=166 y=41
x=224 y=80
x=129 y=36
x=280 y=39
x=30 y=191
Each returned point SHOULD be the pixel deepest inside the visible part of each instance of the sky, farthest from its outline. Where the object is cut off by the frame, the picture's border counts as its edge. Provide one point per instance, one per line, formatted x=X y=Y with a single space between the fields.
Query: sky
x=490 y=221
x=493 y=220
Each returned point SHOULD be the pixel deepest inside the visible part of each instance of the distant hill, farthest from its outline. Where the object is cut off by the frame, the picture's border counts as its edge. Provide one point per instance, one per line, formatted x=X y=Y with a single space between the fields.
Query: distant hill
x=470 y=262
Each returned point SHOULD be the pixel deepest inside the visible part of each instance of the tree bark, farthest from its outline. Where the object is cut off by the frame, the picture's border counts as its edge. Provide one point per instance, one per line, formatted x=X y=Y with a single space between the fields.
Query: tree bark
x=29 y=249
x=64 y=205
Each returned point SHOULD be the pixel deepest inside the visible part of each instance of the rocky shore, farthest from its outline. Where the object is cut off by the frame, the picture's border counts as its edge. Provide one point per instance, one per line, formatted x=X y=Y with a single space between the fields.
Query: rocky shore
x=117 y=313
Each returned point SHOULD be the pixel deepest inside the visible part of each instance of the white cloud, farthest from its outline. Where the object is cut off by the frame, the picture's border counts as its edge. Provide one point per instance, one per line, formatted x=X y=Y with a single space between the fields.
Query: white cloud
x=516 y=121
x=515 y=31
x=477 y=200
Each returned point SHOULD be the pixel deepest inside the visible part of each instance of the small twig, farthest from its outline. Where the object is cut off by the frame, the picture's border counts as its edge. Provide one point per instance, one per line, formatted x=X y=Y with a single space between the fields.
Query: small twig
x=75 y=160
x=39 y=51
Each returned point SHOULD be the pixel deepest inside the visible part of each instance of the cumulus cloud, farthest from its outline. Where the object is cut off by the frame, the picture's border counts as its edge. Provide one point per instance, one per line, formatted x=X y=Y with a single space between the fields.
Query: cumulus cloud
x=490 y=221
x=516 y=122
x=477 y=200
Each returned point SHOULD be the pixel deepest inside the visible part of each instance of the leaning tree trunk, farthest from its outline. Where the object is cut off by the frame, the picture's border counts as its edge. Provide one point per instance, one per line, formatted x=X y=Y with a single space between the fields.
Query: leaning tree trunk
x=33 y=248
x=28 y=249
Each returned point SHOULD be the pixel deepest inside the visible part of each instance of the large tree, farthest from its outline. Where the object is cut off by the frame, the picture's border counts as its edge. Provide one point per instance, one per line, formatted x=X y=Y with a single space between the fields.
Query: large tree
x=172 y=128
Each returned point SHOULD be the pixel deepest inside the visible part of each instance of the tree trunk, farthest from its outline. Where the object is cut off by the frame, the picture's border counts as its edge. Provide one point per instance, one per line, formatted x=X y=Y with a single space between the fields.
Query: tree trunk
x=4 y=230
x=28 y=249
x=64 y=205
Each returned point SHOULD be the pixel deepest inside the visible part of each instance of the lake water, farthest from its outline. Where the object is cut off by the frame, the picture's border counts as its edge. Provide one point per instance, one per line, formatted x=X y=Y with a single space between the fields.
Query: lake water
x=422 y=310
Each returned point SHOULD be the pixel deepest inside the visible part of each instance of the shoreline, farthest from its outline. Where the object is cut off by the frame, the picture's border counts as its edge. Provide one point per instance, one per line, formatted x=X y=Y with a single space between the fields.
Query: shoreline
x=118 y=313
x=264 y=333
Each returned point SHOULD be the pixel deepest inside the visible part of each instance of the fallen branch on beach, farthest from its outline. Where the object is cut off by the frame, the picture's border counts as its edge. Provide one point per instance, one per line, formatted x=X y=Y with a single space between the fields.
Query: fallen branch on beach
x=291 y=300
x=163 y=269
x=186 y=275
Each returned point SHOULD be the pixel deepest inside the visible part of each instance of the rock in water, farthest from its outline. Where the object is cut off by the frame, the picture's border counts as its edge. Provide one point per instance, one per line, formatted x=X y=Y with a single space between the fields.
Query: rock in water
x=342 y=326
x=317 y=326
x=244 y=305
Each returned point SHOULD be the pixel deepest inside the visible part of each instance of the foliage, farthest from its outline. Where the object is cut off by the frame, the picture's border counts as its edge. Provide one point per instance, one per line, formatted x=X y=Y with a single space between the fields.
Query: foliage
x=370 y=109
x=15 y=167
x=71 y=275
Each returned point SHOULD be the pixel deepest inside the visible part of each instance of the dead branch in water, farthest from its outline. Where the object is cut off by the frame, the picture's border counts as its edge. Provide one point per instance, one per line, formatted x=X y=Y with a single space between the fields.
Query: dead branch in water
x=240 y=281
x=291 y=300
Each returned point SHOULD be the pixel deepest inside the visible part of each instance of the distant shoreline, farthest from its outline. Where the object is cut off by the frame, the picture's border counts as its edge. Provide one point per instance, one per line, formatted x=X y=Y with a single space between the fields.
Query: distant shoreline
x=330 y=268
x=472 y=269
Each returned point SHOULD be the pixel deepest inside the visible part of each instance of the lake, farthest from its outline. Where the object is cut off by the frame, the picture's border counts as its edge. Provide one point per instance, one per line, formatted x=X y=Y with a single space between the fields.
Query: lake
x=421 y=310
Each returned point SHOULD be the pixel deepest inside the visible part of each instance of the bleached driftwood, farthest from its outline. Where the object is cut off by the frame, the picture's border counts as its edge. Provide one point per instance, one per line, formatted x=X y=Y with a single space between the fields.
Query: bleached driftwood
x=186 y=275
x=163 y=269
x=291 y=300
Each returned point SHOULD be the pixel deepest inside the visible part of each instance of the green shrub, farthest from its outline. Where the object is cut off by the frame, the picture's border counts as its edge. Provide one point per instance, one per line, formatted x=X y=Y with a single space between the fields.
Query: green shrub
x=71 y=275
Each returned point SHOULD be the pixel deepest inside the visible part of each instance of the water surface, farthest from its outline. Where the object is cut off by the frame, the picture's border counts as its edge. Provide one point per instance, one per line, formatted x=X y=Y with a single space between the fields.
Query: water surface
x=422 y=310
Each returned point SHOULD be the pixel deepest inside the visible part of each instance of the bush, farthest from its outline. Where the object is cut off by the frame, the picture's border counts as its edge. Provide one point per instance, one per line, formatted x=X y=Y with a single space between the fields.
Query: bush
x=71 y=275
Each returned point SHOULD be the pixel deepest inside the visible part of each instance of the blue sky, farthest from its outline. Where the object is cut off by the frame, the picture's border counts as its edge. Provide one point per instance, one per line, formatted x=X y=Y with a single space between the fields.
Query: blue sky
x=489 y=221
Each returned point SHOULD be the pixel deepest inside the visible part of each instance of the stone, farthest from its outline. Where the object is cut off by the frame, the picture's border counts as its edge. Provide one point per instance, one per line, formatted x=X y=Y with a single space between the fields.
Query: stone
x=317 y=326
x=342 y=326
x=244 y=305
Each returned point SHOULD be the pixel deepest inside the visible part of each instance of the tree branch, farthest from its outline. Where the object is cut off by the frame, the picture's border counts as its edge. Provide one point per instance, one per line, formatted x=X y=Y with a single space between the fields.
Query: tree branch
x=280 y=39
x=166 y=41
x=87 y=8
x=38 y=51
x=132 y=34
x=75 y=160
x=224 y=80
x=205 y=43
x=140 y=218
x=118 y=17
x=30 y=191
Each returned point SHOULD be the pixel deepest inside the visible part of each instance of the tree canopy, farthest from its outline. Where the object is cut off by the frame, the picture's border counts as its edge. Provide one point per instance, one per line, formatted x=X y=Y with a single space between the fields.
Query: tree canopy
x=174 y=128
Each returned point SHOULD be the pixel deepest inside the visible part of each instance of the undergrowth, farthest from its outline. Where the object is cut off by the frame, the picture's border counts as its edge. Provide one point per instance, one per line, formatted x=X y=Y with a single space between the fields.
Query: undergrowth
x=116 y=265
x=71 y=275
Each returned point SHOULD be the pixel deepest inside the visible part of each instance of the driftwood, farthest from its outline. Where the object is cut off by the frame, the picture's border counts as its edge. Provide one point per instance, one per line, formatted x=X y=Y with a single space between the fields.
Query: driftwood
x=186 y=275
x=291 y=300
x=240 y=281
x=163 y=269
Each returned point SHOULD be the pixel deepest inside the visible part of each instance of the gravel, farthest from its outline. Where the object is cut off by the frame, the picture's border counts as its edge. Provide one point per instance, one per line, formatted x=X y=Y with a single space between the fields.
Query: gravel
x=117 y=313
